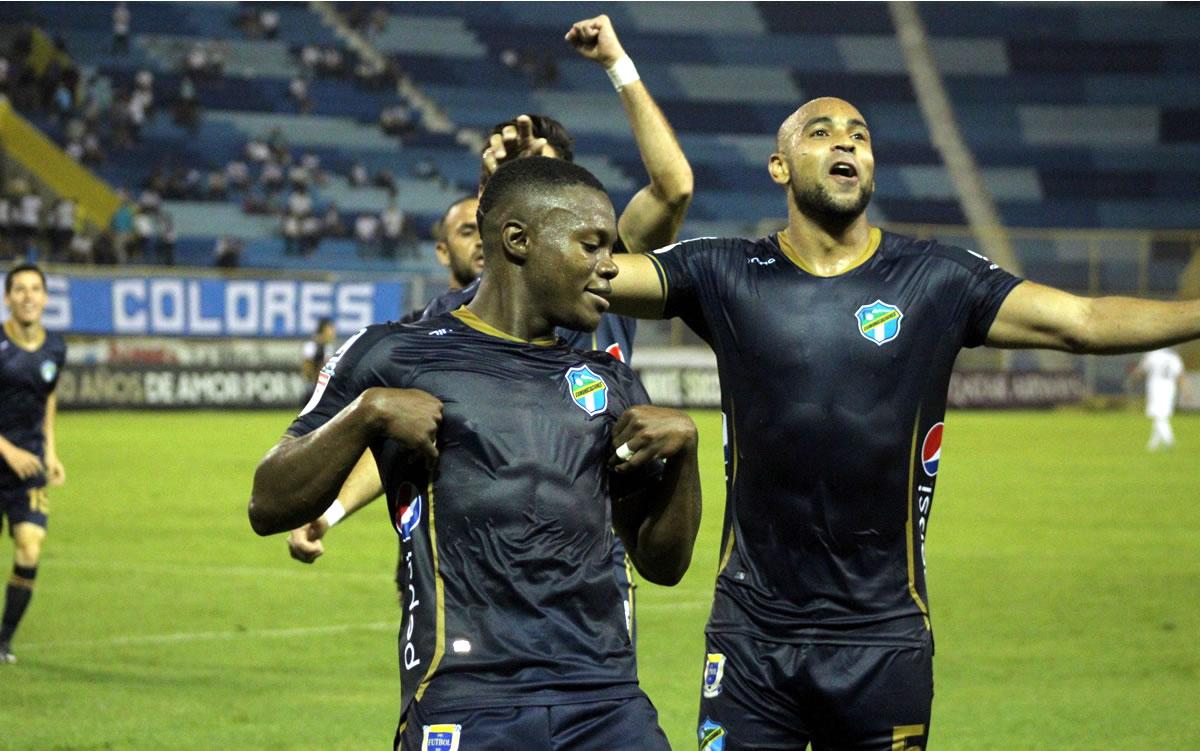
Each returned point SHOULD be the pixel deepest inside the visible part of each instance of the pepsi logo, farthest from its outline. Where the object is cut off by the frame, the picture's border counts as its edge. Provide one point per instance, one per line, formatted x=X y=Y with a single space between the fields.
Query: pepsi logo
x=931 y=449
x=408 y=510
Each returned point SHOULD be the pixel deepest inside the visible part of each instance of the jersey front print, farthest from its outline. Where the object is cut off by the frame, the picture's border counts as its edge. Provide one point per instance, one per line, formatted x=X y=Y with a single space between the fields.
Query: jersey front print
x=509 y=594
x=834 y=391
x=27 y=379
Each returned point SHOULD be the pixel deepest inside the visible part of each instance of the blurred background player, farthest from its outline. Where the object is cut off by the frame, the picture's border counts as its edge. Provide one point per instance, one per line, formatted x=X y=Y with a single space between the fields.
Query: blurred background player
x=1163 y=371
x=650 y=220
x=31 y=359
x=313 y=356
x=835 y=342
x=457 y=246
x=506 y=508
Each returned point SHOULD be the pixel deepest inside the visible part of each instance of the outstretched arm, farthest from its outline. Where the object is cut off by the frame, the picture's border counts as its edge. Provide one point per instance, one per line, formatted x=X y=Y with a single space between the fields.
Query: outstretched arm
x=297 y=479
x=361 y=487
x=652 y=218
x=659 y=524
x=1035 y=316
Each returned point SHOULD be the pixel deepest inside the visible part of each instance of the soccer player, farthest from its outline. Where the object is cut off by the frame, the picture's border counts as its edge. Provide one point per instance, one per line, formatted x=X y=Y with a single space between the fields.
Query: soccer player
x=314 y=354
x=30 y=360
x=1163 y=371
x=835 y=342
x=513 y=631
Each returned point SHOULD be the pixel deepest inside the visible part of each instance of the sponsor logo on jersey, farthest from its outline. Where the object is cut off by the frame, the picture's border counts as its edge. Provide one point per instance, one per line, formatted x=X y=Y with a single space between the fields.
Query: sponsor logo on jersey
x=761 y=262
x=614 y=349
x=408 y=510
x=931 y=449
x=982 y=257
x=712 y=736
x=49 y=370
x=327 y=373
x=442 y=737
x=879 y=322
x=588 y=390
x=714 y=670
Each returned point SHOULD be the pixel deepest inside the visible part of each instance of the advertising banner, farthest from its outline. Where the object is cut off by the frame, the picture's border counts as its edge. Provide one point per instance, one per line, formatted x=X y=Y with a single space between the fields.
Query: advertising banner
x=176 y=387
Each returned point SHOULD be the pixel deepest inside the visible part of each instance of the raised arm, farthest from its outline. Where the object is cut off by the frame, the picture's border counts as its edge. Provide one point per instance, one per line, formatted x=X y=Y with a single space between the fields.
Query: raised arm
x=658 y=524
x=1036 y=316
x=652 y=218
x=298 y=478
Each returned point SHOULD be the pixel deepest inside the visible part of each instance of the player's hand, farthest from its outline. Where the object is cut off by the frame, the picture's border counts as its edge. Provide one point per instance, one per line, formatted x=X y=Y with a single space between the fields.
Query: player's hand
x=55 y=473
x=513 y=142
x=304 y=543
x=595 y=39
x=24 y=464
x=410 y=417
x=645 y=433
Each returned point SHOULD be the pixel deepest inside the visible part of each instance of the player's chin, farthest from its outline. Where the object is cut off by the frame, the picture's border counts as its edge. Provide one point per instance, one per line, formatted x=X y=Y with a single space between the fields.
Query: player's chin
x=585 y=319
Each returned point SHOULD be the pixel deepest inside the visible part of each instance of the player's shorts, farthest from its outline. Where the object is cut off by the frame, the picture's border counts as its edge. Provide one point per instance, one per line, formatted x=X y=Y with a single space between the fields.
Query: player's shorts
x=772 y=696
x=611 y=725
x=24 y=506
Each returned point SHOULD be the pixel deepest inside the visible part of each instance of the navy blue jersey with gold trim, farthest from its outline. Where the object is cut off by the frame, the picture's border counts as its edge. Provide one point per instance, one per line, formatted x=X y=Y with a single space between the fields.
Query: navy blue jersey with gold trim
x=509 y=595
x=27 y=379
x=834 y=391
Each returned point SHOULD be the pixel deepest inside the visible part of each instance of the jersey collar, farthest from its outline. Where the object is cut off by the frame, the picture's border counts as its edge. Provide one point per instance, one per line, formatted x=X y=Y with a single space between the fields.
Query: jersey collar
x=465 y=315
x=874 y=239
x=13 y=334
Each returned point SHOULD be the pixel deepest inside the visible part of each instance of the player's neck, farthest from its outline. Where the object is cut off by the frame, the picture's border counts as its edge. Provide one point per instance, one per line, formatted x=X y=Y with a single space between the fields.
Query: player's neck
x=26 y=336
x=509 y=315
x=824 y=250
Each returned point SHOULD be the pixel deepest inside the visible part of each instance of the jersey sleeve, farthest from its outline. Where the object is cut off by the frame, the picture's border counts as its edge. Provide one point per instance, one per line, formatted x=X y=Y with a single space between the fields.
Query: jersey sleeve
x=358 y=365
x=686 y=274
x=987 y=286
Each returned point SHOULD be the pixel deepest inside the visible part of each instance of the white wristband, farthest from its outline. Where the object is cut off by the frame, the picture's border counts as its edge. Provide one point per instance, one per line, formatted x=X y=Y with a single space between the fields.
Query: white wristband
x=622 y=73
x=334 y=514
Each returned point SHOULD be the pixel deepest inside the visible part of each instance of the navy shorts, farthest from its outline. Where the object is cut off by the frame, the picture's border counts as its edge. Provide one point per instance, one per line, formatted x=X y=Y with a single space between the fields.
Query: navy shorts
x=839 y=697
x=611 y=725
x=24 y=506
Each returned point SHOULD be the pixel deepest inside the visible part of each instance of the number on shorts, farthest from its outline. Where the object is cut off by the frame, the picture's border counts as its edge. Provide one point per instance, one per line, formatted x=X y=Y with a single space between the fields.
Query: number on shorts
x=39 y=500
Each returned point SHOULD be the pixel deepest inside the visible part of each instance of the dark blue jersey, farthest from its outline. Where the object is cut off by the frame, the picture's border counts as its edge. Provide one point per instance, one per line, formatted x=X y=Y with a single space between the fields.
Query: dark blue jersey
x=509 y=592
x=833 y=390
x=27 y=379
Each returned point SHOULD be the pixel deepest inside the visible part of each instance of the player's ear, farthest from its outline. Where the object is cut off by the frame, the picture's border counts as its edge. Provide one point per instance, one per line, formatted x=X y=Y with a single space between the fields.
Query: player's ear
x=443 y=254
x=514 y=237
x=778 y=169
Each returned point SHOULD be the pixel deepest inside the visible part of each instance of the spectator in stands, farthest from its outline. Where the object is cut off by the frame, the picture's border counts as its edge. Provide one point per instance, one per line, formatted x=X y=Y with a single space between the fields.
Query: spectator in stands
x=120 y=29
x=392 y=223
x=386 y=180
x=397 y=120
x=237 y=175
x=358 y=177
x=82 y=249
x=145 y=233
x=331 y=222
x=216 y=188
x=299 y=208
x=228 y=252
x=271 y=176
x=104 y=251
x=187 y=106
x=268 y=20
x=366 y=232
x=62 y=227
x=26 y=219
x=4 y=76
x=122 y=228
x=299 y=92
x=164 y=249
x=6 y=216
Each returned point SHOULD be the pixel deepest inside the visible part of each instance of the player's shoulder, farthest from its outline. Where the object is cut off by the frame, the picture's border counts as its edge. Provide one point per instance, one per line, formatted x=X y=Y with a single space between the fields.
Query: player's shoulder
x=896 y=246
x=450 y=300
x=721 y=245
x=602 y=364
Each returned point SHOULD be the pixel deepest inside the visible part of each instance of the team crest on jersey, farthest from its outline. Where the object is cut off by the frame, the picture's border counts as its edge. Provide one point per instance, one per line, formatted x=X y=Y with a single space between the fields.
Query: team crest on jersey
x=879 y=322
x=714 y=670
x=588 y=390
x=408 y=510
x=49 y=370
x=443 y=737
x=712 y=736
x=931 y=449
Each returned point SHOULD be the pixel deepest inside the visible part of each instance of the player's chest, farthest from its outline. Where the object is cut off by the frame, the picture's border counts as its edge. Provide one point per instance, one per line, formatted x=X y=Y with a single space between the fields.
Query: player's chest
x=24 y=370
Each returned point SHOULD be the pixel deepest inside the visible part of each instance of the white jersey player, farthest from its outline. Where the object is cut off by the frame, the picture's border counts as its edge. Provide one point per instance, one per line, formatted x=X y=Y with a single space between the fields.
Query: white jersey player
x=1163 y=369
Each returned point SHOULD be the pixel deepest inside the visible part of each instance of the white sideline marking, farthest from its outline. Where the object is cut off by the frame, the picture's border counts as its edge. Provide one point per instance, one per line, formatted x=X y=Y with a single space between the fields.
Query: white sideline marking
x=184 y=636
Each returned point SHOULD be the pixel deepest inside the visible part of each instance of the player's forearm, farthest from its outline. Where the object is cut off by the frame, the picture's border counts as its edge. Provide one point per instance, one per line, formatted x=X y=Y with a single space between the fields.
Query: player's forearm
x=298 y=478
x=51 y=448
x=362 y=486
x=662 y=551
x=653 y=216
x=1116 y=325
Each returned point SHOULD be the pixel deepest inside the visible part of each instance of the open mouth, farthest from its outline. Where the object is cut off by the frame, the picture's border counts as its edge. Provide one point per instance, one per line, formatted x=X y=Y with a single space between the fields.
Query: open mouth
x=844 y=170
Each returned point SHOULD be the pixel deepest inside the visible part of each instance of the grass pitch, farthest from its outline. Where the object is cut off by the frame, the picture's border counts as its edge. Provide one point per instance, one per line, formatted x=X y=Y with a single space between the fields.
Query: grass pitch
x=1064 y=564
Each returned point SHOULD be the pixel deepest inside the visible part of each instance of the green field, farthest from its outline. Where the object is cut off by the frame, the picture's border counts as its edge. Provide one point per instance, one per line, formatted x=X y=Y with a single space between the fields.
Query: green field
x=1064 y=570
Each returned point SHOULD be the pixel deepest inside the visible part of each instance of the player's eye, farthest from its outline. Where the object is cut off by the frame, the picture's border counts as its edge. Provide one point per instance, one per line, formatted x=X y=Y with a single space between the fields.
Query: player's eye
x=819 y=132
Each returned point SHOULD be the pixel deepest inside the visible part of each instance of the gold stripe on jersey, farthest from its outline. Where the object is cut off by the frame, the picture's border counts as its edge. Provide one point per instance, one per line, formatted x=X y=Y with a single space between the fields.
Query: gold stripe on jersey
x=632 y=586
x=733 y=452
x=875 y=237
x=465 y=315
x=908 y=526
x=662 y=279
x=439 y=648
x=13 y=331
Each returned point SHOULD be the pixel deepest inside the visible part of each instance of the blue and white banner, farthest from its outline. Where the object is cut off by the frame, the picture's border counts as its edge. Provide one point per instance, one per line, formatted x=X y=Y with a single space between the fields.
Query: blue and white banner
x=181 y=306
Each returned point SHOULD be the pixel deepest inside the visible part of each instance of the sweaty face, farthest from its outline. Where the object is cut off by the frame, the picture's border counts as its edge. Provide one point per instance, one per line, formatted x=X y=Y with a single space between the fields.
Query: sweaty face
x=27 y=298
x=570 y=264
x=462 y=250
x=831 y=169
